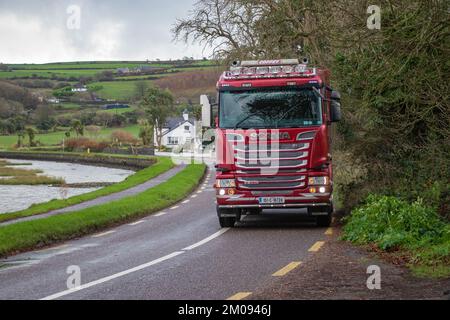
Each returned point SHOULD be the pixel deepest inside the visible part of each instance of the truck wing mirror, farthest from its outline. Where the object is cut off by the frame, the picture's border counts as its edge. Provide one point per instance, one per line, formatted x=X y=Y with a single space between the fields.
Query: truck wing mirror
x=336 y=112
x=206 y=111
x=335 y=95
x=209 y=112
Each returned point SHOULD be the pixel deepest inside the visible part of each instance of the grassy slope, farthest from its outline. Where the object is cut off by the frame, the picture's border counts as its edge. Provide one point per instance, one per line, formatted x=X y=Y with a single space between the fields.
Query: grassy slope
x=140 y=177
x=412 y=231
x=38 y=233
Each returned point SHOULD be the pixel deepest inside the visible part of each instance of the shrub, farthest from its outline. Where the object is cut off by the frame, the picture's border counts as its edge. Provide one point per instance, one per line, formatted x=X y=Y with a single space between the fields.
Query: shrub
x=123 y=137
x=83 y=143
x=395 y=224
x=391 y=222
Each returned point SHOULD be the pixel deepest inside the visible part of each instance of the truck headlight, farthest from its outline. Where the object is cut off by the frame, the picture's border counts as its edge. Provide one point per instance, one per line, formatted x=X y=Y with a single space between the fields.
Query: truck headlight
x=306 y=135
x=225 y=183
x=318 y=181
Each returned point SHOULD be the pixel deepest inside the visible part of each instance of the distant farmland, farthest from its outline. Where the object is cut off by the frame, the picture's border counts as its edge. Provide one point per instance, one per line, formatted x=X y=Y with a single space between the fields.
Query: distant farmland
x=91 y=69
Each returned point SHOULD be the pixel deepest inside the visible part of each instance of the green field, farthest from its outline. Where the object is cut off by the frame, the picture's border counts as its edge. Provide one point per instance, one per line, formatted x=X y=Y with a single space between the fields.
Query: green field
x=117 y=90
x=48 y=74
x=55 y=138
x=120 y=111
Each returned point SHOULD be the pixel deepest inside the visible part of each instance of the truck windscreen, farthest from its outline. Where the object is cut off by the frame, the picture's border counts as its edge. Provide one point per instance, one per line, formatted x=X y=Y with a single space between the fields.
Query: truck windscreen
x=270 y=108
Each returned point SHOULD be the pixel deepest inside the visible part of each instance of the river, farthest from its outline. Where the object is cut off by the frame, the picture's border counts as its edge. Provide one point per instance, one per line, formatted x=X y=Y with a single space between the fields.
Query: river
x=14 y=198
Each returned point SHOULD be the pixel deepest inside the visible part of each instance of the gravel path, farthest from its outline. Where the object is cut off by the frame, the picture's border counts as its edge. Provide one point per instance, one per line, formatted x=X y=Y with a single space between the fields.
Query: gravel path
x=109 y=198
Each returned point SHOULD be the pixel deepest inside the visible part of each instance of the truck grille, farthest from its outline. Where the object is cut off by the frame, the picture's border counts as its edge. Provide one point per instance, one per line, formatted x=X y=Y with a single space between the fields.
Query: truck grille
x=290 y=159
x=271 y=182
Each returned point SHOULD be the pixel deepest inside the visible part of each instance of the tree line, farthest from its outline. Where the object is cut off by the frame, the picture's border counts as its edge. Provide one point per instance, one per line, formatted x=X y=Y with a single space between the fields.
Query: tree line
x=395 y=137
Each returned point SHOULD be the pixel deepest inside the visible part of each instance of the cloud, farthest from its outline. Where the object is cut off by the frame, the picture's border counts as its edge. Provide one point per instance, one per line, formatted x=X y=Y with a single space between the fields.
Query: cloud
x=20 y=38
x=36 y=31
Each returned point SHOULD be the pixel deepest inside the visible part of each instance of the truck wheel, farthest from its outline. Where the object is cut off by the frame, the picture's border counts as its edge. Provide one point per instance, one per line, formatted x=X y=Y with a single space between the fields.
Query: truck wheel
x=228 y=217
x=324 y=221
x=227 y=222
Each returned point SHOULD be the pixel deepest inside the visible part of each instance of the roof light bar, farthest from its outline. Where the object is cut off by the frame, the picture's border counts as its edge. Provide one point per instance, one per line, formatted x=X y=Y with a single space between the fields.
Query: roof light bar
x=264 y=70
x=279 y=62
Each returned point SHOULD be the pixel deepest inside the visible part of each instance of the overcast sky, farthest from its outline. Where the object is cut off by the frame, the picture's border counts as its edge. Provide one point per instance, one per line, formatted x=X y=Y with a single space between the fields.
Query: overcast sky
x=36 y=31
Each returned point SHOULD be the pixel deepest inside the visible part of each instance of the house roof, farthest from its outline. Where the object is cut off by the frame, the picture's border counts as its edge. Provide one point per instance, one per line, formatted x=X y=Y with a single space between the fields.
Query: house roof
x=174 y=122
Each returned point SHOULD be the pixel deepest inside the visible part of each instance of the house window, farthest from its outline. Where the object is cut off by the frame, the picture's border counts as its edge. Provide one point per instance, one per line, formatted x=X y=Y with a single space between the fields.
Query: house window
x=187 y=128
x=172 y=140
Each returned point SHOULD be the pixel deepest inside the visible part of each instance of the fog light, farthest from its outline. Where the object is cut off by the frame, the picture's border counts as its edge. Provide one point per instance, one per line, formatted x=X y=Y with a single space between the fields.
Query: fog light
x=322 y=190
x=222 y=192
x=312 y=190
x=231 y=192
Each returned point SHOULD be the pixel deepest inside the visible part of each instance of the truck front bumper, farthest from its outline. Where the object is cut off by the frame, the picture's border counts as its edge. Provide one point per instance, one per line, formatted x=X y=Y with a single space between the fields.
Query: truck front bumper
x=246 y=200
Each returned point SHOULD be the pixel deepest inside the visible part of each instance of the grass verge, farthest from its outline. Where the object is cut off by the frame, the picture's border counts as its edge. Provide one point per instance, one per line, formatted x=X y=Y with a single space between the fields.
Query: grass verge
x=399 y=228
x=32 y=181
x=162 y=165
x=38 y=233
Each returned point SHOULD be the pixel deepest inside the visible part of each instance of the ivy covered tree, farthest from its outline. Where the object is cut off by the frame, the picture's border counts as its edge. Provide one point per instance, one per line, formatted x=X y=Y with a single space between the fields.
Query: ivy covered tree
x=158 y=105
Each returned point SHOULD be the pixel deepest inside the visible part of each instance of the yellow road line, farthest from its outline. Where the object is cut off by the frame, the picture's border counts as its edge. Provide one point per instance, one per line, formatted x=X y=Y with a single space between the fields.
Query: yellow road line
x=240 y=296
x=329 y=232
x=291 y=266
x=316 y=247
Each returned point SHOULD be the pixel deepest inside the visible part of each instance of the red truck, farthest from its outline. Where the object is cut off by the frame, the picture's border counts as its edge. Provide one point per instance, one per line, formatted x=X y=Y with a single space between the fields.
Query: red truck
x=273 y=136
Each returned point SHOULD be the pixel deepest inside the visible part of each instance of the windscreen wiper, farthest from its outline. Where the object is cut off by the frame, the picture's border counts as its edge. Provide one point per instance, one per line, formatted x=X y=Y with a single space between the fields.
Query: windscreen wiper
x=317 y=91
x=284 y=115
x=243 y=120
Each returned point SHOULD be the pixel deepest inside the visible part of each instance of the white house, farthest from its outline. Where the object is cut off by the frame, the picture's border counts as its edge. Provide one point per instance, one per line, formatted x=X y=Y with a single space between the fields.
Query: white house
x=178 y=131
x=79 y=88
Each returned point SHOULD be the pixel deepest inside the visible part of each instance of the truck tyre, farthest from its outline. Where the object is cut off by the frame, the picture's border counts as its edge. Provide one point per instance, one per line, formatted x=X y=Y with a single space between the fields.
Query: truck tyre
x=227 y=217
x=324 y=221
x=227 y=222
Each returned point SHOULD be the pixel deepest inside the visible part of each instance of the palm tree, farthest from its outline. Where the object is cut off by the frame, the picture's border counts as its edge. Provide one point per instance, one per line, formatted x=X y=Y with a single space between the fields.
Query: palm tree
x=78 y=127
x=31 y=133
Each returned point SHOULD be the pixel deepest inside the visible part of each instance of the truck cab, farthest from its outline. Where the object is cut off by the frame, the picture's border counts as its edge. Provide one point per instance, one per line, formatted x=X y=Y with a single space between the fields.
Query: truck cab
x=273 y=145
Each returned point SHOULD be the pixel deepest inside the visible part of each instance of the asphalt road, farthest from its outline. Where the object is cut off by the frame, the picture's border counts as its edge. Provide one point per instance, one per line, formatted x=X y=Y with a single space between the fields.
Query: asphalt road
x=179 y=253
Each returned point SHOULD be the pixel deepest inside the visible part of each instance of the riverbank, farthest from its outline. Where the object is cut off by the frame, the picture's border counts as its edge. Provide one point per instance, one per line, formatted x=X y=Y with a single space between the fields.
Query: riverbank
x=160 y=166
x=95 y=159
x=28 y=235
